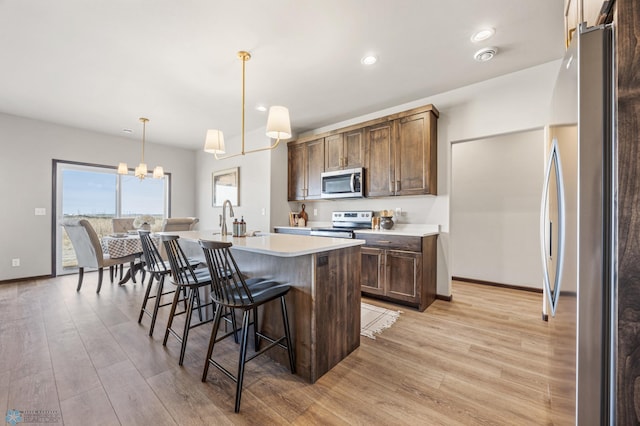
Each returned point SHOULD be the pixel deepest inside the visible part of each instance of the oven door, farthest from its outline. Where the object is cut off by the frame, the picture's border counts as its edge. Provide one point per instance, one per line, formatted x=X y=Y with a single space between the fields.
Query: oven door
x=343 y=184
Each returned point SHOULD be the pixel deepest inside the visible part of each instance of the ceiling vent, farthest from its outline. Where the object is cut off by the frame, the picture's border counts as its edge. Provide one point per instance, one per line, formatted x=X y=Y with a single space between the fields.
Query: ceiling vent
x=486 y=54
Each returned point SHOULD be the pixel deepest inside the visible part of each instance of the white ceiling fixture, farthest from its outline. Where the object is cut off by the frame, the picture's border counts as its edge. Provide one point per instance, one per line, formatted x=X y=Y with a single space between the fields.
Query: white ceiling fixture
x=369 y=60
x=483 y=34
x=278 y=124
x=485 y=54
x=141 y=169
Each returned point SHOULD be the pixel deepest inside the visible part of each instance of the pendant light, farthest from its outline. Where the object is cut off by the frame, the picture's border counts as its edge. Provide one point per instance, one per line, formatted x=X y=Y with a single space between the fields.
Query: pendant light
x=278 y=124
x=141 y=169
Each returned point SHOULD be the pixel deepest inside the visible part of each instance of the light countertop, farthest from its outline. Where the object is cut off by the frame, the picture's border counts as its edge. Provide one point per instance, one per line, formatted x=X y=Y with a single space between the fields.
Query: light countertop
x=283 y=245
x=410 y=230
x=404 y=229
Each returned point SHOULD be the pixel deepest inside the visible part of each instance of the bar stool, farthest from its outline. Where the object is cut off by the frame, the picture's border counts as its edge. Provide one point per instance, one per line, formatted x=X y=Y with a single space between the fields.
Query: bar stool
x=158 y=269
x=232 y=291
x=188 y=279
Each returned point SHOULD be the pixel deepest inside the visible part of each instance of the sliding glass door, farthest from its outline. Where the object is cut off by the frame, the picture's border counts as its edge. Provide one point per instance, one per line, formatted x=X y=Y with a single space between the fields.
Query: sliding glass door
x=97 y=193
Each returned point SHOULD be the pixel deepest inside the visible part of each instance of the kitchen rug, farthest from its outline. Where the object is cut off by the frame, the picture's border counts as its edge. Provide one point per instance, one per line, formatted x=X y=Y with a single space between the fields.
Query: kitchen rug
x=374 y=319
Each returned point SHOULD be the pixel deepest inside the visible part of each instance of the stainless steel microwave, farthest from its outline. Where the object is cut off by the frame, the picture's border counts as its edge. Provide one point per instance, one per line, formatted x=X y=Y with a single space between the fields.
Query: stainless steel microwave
x=348 y=183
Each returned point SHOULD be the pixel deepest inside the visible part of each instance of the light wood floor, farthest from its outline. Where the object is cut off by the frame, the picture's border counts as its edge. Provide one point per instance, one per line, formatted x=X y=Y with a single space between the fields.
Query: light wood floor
x=481 y=359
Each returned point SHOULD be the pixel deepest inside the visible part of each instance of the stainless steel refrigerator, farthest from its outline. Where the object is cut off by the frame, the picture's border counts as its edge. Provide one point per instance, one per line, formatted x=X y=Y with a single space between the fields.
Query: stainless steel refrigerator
x=577 y=231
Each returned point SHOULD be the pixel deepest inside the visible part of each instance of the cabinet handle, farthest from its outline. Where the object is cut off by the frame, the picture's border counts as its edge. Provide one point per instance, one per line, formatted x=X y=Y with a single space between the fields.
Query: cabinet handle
x=384 y=242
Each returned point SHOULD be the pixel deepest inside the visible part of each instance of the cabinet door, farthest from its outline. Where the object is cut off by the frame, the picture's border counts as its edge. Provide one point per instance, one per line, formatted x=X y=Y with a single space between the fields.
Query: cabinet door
x=403 y=275
x=372 y=270
x=379 y=161
x=333 y=150
x=315 y=166
x=415 y=156
x=297 y=156
x=353 y=149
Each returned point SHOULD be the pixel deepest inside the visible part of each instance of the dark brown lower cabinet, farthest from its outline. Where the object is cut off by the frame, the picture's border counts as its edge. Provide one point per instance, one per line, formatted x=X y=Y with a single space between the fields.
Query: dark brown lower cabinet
x=399 y=269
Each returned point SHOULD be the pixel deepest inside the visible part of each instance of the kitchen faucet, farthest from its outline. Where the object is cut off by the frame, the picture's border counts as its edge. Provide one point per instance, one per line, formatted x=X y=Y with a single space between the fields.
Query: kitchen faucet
x=223 y=216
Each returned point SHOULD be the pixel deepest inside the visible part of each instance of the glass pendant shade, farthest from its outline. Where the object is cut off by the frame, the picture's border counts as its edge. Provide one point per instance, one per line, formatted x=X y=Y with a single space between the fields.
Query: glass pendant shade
x=278 y=124
x=141 y=171
x=214 y=142
x=123 y=169
x=158 y=172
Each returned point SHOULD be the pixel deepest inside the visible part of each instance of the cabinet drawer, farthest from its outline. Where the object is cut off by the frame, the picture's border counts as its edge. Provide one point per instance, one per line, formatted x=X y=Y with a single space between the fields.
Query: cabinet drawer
x=396 y=242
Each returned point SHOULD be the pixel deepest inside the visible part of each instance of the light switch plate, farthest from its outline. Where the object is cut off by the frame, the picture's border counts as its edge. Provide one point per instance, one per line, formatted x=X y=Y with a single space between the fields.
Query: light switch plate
x=40 y=211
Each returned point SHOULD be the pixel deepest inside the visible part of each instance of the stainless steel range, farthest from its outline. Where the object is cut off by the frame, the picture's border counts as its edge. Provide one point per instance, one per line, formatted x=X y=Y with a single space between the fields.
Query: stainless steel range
x=344 y=223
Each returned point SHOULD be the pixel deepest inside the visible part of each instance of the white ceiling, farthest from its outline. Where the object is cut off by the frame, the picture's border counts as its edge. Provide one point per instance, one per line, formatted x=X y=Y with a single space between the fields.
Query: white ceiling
x=101 y=64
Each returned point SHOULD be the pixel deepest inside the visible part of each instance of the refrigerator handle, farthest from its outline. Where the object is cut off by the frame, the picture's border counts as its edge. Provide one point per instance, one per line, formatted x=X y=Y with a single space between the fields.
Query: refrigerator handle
x=553 y=295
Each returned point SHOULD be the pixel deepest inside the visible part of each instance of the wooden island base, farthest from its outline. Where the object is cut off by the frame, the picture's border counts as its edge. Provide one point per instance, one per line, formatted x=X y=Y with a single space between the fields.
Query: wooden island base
x=323 y=305
x=324 y=302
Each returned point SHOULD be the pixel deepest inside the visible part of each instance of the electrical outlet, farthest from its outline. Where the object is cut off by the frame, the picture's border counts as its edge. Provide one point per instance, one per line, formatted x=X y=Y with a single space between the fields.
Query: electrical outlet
x=263 y=211
x=15 y=262
x=315 y=212
x=398 y=211
x=40 y=211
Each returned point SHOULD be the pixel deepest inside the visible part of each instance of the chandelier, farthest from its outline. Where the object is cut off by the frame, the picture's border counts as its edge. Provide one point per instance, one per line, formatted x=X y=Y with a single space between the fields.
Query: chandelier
x=278 y=124
x=141 y=169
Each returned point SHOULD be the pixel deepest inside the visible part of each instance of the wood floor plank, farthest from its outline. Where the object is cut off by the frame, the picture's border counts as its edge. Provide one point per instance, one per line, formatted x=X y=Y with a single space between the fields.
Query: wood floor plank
x=131 y=397
x=483 y=358
x=186 y=400
x=91 y=407
x=36 y=394
x=5 y=378
x=142 y=350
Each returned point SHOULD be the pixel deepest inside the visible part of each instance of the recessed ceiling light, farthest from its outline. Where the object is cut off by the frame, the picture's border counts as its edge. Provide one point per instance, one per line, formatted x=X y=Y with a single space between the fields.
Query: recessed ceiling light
x=486 y=54
x=483 y=34
x=127 y=130
x=261 y=108
x=369 y=60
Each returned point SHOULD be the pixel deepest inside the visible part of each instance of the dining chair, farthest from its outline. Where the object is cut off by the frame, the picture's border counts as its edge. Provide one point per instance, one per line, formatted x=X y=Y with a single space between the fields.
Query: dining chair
x=122 y=224
x=186 y=278
x=88 y=249
x=179 y=223
x=231 y=291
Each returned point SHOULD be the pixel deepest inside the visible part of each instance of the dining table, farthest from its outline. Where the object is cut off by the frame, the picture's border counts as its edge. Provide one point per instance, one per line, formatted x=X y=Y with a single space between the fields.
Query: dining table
x=123 y=245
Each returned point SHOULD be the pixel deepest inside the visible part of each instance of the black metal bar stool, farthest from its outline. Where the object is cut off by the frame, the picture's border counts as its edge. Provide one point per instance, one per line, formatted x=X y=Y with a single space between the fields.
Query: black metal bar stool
x=231 y=290
x=158 y=269
x=184 y=277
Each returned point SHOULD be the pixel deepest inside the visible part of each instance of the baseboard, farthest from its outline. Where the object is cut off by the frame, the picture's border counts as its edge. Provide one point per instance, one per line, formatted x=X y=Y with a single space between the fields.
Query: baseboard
x=17 y=280
x=494 y=284
x=448 y=298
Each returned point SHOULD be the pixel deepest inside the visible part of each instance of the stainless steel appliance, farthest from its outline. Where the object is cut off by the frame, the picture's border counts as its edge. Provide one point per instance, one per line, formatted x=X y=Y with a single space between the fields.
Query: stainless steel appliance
x=348 y=183
x=578 y=230
x=344 y=223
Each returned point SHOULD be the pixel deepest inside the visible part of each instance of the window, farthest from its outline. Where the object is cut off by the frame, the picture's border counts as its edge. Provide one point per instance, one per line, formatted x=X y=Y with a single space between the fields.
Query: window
x=98 y=194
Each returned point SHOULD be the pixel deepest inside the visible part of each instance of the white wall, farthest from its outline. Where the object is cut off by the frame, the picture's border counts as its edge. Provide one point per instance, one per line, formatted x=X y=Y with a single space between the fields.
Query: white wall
x=495 y=208
x=27 y=148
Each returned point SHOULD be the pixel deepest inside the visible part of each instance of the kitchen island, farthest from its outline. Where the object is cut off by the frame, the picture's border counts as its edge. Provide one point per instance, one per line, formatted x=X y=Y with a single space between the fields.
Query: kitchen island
x=324 y=301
